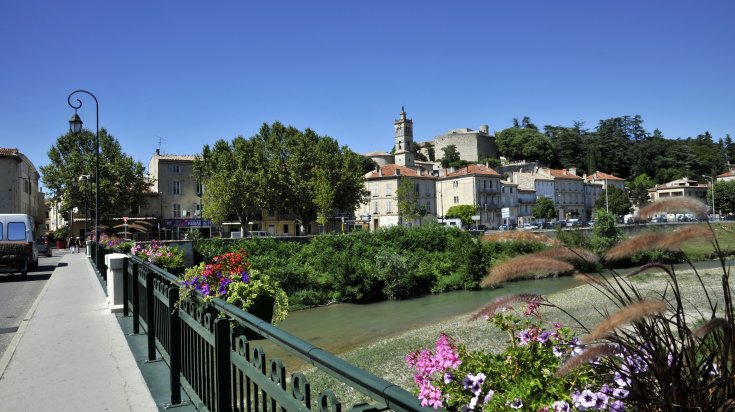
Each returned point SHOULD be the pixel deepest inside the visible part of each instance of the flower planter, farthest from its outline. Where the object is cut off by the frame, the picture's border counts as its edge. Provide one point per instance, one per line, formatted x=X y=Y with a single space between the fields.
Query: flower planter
x=262 y=308
x=60 y=244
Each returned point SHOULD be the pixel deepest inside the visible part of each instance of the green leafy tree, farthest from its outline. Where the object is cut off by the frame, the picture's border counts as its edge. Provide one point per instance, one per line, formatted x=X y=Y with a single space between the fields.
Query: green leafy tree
x=122 y=180
x=544 y=208
x=724 y=196
x=616 y=200
x=408 y=206
x=518 y=143
x=451 y=155
x=232 y=180
x=463 y=212
x=605 y=233
x=638 y=189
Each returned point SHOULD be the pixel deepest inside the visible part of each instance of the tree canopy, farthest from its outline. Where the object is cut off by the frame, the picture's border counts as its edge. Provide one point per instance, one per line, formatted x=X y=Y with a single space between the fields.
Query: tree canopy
x=122 y=181
x=524 y=143
x=463 y=212
x=616 y=200
x=544 y=208
x=281 y=168
x=408 y=207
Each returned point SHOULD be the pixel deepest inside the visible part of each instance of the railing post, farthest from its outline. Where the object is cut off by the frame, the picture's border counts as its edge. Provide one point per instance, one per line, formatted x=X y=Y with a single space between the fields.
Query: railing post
x=175 y=350
x=151 y=315
x=126 y=285
x=136 y=299
x=222 y=364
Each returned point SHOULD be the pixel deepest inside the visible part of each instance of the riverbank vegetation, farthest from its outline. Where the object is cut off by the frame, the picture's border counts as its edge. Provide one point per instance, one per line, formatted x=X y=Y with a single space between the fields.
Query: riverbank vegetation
x=644 y=341
x=393 y=263
x=400 y=263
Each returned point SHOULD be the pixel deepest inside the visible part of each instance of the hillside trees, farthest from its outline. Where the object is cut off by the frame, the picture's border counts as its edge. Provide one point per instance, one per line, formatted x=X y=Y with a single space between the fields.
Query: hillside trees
x=281 y=168
x=122 y=180
x=614 y=199
x=524 y=142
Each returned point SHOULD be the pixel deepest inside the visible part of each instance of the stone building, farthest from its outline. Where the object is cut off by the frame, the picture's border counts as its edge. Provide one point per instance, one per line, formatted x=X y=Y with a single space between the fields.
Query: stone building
x=177 y=198
x=683 y=187
x=472 y=145
x=471 y=185
x=727 y=176
x=19 y=190
x=564 y=187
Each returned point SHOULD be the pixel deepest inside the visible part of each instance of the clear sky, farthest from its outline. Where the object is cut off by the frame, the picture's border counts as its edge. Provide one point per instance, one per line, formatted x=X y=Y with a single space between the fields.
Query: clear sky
x=193 y=72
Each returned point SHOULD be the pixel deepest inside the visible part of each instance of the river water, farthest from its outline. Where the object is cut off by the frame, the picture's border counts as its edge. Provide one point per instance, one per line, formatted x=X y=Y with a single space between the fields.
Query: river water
x=341 y=327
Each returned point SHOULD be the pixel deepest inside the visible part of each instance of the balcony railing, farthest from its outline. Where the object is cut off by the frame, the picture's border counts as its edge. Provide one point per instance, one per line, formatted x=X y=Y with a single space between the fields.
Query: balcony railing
x=220 y=369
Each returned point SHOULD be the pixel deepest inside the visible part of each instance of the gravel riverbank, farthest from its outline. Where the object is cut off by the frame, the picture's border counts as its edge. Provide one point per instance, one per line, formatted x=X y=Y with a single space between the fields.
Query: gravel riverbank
x=386 y=357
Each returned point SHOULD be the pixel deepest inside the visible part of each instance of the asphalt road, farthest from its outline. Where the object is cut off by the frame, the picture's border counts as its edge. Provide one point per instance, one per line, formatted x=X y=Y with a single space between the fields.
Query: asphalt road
x=18 y=294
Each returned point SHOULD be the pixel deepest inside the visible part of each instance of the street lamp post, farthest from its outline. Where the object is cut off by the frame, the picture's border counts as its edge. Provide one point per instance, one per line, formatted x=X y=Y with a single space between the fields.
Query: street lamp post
x=75 y=126
x=712 y=179
x=85 y=178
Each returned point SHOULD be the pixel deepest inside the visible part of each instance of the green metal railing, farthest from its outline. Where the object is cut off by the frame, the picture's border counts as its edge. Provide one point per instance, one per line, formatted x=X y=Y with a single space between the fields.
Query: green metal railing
x=220 y=369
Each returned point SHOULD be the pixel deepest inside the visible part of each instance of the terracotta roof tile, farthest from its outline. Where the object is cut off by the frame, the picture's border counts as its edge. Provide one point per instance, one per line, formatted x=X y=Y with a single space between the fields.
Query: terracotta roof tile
x=390 y=171
x=602 y=176
x=8 y=151
x=176 y=157
x=562 y=174
x=474 y=170
x=729 y=173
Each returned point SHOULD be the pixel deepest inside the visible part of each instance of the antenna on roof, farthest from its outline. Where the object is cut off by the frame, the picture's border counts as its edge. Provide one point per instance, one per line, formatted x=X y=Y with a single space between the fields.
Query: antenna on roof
x=160 y=141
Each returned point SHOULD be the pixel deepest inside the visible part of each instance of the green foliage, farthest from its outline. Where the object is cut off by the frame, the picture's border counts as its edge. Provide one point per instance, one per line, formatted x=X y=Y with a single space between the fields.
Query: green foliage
x=61 y=233
x=605 y=233
x=724 y=196
x=544 y=208
x=464 y=212
x=615 y=199
x=280 y=168
x=638 y=189
x=392 y=263
x=520 y=377
x=409 y=208
x=122 y=181
x=524 y=144
x=451 y=156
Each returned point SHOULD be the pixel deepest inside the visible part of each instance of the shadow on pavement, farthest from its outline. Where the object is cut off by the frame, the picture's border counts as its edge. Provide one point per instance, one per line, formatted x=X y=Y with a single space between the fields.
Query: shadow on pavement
x=32 y=277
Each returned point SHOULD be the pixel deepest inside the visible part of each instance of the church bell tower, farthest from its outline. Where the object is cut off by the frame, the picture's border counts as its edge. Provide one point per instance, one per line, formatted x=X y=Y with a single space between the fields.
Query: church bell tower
x=404 y=140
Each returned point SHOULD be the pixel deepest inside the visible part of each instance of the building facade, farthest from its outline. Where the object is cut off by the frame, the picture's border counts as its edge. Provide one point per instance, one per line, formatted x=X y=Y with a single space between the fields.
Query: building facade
x=683 y=187
x=476 y=185
x=177 y=191
x=19 y=190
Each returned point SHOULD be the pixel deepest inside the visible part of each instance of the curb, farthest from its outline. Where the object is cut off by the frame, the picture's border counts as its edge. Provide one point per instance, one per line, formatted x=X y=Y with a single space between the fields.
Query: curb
x=8 y=355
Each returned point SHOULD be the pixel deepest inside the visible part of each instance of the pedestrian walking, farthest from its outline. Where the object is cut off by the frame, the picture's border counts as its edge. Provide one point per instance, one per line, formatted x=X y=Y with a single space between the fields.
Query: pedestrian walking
x=78 y=244
x=72 y=244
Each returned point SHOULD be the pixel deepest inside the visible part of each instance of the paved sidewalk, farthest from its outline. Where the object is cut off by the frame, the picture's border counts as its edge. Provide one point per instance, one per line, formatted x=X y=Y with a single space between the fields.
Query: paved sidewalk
x=71 y=354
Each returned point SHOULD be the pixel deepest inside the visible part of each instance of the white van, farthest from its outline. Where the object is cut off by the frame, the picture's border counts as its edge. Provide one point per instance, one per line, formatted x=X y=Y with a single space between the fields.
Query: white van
x=18 y=252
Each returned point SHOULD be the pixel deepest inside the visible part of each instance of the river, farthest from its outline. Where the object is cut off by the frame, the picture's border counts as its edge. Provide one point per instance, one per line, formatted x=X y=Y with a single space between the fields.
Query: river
x=341 y=327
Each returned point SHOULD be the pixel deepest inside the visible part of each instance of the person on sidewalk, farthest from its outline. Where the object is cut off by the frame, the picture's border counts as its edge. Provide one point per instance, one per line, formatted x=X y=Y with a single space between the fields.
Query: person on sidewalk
x=72 y=244
x=78 y=244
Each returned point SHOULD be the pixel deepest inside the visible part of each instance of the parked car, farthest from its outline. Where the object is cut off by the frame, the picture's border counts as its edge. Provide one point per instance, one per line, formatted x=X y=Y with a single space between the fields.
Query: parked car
x=18 y=250
x=530 y=226
x=477 y=228
x=507 y=226
x=43 y=246
x=259 y=233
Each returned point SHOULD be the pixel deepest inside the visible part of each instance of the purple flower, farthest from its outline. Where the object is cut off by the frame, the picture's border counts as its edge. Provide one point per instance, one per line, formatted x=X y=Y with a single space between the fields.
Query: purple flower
x=620 y=393
x=606 y=390
x=587 y=399
x=488 y=397
x=558 y=352
x=448 y=377
x=601 y=401
x=523 y=337
x=543 y=336
x=560 y=406
x=516 y=404
x=245 y=277
x=616 y=406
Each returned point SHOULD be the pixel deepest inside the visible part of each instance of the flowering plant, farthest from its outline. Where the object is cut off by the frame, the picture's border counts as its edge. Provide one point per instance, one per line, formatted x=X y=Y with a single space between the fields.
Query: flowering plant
x=165 y=256
x=114 y=243
x=523 y=376
x=230 y=276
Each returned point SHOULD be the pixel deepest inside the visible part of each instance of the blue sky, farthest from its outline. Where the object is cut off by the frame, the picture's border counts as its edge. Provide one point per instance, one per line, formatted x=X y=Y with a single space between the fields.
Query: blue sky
x=194 y=72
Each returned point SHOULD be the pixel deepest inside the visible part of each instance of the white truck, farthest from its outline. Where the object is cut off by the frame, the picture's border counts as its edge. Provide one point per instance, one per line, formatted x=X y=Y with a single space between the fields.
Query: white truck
x=18 y=252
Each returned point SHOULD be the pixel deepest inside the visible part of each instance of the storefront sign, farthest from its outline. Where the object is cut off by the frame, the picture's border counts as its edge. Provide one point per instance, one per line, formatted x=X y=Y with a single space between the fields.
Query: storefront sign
x=187 y=222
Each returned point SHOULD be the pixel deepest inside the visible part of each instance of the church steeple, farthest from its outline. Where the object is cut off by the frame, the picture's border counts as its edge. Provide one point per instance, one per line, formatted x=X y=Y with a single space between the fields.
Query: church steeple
x=404 y=140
